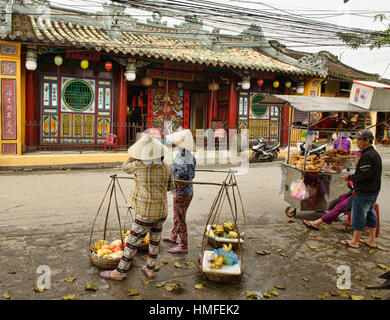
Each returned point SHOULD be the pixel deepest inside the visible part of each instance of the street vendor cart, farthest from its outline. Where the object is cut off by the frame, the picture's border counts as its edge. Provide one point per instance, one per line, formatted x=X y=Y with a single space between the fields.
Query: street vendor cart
x=311 y=183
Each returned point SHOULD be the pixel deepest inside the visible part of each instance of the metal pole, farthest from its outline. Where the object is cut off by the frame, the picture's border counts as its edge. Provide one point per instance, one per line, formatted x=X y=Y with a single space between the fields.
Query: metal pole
x=289 y=135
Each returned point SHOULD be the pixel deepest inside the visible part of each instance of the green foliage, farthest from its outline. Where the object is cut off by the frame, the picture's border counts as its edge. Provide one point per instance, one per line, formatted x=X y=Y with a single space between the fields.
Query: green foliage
x=376 y=39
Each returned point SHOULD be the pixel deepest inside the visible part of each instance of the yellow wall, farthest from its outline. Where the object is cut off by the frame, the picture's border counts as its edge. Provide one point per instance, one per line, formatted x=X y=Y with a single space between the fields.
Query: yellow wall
x=11 y=57
x=312 y=87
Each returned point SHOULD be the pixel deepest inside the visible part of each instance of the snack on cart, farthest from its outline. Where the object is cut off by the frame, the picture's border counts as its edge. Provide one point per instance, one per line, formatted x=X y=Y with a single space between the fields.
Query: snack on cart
x=225 y=262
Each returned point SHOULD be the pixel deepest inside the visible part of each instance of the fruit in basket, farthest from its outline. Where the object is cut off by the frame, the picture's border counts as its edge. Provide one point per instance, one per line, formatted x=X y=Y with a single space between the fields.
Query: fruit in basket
x=103 y=252
x=219 y=230
x=99 y=245
x=228 y=226
x=216 y=261
x=146 y=239
x=227 y=248
x=233 y=235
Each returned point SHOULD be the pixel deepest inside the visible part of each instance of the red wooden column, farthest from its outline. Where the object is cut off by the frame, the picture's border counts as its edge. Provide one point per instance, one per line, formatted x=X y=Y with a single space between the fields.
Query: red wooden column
x=30 y=119
x=232 y=106
x=208 y=95
x=150 y=119
x=122 y=109
x=214 y=114
x=186 y=114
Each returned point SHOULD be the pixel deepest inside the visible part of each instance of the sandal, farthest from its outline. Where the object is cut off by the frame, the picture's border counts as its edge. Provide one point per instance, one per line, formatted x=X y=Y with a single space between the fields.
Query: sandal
x=177 y=250
x=168 y=239
x=346 y=243
x=364 y=241
x=107 y=275
x=309 y=225
x=148 y=273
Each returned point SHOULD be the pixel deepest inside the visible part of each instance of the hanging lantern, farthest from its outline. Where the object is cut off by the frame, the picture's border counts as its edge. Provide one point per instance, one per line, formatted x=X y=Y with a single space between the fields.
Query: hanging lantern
x=108 y=65
x=260 y=82
x=276 y=84
x=287 y=84
x=130 y=73
x=31 y=59
x=58 y=60
x=213 y=86
x=300 y=87
x=84 y=64
x=146 y=81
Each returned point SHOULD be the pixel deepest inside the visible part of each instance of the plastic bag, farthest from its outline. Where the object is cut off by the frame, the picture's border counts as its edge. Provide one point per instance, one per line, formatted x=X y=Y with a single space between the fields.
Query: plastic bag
x=299 y=190
x=229 y=258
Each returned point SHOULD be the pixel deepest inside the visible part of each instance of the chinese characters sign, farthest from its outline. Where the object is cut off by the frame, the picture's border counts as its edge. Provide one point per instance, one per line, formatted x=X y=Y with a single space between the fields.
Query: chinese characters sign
x=8 y=109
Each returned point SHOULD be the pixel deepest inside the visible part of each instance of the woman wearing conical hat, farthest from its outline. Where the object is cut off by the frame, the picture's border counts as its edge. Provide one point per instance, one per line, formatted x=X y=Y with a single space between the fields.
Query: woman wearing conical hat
x=148 y=198
x=183 y=169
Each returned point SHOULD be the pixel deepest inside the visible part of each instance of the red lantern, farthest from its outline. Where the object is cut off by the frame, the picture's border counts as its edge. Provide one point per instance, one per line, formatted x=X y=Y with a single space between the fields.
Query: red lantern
x=260 y=82
x=108 y=65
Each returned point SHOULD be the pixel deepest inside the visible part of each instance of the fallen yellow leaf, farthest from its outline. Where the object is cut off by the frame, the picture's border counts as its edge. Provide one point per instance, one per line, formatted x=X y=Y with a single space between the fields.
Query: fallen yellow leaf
x=324 y=227
x=39 y=288
x=251 y=294
x=199 y=286
x=328 y=247
x=382 y=266
x=274 y=292
x=70 y=279
x=137 y=297
x=312 y=247
x=6 y=295
x=159 y=285
x=69 y=297
x=381 y=248
x=324 y=295
x=357 y=297
x=267 y=295
x=170 y=286
x=164 y=261
x=359 y=278
x=177 y=265
x=133 y=292
x=280 y=287
x=145 y=281
x=343 y=294
x=305 y=279
x=371 y=251
x=374 y=296
x=90 y=287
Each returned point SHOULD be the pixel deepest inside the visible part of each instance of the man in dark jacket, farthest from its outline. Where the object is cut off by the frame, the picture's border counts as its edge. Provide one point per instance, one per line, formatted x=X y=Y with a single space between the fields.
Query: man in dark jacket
x=367 y=184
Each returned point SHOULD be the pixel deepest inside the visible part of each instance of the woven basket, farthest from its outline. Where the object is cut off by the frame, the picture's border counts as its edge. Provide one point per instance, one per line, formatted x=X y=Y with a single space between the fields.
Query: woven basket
x=103 y=263
x=219 y=243
x=218 y=277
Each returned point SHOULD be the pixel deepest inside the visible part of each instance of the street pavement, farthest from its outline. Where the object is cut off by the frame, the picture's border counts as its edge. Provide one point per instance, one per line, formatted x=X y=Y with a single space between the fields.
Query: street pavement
x=46 y=220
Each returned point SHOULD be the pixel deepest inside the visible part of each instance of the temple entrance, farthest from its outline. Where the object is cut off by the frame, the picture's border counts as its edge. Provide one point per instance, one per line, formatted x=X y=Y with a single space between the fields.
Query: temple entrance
x=136 y=112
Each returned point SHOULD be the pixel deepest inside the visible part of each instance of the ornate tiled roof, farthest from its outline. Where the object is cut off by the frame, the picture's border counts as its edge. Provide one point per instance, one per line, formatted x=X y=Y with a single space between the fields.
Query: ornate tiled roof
x=149 y=40
x=336 y=69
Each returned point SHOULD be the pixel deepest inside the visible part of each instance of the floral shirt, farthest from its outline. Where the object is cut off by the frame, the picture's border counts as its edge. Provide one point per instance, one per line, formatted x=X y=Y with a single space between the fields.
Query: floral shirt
x=184 y=169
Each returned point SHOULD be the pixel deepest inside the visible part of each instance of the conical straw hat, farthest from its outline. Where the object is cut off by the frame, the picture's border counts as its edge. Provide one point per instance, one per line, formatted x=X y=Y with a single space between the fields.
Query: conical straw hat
x=147 y=148
x=183 y=139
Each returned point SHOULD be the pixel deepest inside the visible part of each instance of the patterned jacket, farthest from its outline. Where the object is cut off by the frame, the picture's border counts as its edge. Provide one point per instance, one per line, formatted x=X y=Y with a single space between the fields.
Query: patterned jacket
x=148 y=196
x=184 y=169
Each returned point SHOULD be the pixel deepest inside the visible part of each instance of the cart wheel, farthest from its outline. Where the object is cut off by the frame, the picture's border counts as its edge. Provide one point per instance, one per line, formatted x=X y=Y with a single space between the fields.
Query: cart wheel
x=291 y=212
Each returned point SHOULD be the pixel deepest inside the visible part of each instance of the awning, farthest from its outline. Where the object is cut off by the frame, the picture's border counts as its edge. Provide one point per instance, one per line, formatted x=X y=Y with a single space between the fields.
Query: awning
x=316 y=104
